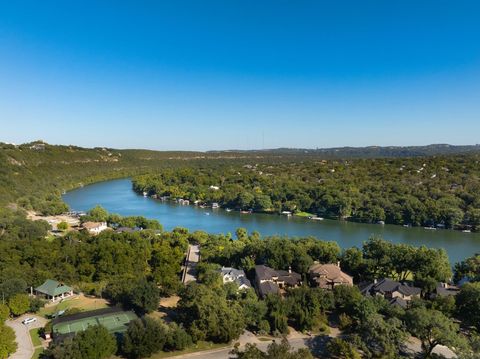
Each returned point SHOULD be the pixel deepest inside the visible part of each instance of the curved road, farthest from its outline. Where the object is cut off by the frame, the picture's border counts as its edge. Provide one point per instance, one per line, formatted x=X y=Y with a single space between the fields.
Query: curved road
x=25 y=347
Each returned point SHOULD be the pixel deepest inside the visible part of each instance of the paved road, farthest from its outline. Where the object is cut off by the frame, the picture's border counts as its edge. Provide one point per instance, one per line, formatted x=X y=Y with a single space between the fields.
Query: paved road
x=191 y=263
x=315 y=344
x=25 y=347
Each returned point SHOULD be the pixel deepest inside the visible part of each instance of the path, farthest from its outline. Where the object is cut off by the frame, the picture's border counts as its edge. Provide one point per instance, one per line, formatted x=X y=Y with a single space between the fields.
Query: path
x=193 y=256
x=25 y=347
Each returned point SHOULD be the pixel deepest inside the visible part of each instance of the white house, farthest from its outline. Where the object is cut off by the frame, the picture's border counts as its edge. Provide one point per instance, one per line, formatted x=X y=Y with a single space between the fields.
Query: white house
x=235 y=275
x=95 y=227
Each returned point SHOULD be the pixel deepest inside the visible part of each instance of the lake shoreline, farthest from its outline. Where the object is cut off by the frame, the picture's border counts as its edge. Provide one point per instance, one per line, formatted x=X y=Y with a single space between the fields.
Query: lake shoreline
x=117 y=196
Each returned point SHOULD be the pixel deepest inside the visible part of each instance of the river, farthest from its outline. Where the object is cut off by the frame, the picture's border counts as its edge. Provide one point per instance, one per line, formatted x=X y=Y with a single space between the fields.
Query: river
x=117 y=196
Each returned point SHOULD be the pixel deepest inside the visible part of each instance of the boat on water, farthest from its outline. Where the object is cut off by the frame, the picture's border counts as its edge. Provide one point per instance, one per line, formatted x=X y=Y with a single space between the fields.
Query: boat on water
x=245 y=212
x=467 y=231
x=207 y=214
x=145 y=194
x=315 y=218
x=228 y=209
x=430 y=228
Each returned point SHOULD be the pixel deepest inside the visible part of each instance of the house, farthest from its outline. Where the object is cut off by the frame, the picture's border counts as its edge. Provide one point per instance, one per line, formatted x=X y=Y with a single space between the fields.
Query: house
x=53 y=290
x=235 y=275
x=272 y=281
x=127 y=229
x=395 y=292
x=444 y=290
x=95 y=227
x=327 y=276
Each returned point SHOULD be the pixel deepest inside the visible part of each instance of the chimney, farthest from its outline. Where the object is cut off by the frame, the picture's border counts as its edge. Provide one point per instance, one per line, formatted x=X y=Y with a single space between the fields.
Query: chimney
x=375 y=281
x=338 y=264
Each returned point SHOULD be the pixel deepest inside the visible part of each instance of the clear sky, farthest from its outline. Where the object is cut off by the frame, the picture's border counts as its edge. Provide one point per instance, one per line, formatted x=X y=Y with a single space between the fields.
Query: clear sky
x=240 y=74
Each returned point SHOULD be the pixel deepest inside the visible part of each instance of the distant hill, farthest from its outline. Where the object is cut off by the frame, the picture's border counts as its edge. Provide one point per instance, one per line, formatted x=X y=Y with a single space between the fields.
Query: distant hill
x=370 y=151
x=35 y=174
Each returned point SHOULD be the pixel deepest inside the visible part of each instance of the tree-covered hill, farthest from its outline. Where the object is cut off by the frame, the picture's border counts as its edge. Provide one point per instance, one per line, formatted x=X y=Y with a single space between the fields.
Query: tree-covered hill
x=33 y=175
x=418 y=191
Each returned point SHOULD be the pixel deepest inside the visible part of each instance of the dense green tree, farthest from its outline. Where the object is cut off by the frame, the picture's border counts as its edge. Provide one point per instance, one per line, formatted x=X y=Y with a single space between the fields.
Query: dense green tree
x=97 y=214
x=93 y=343
x=62 y=226
x=433 y=328
x=145 y=296
x=282 y=350
x=208 y=315
x=469 y=268
x=19 y=304
x=11 y=286
x=7 y=341
x=468 y=304
x=144 y=337
x=341 y=349
x=380 y=337
x=177 y=338
x=4 y=312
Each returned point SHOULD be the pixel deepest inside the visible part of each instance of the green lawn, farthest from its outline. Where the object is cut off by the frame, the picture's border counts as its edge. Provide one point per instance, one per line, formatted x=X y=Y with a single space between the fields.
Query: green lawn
x=83 y=303
x=37 y=353
x=303 y=214
x=35 y=337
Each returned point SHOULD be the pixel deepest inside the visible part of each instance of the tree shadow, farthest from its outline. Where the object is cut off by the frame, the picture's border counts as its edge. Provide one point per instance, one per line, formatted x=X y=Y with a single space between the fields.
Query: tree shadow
x=318 y=345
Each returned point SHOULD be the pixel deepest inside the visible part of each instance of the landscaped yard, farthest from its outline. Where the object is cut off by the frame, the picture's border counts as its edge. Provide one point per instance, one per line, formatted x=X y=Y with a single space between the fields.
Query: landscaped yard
x=36 y=341
x=81 y=302
x=37 y=353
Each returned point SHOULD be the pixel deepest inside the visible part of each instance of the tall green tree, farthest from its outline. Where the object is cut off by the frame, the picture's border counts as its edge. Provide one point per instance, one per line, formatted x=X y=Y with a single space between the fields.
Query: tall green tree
x=19 y=304
x=433 y=328
x=468 y=304
x=7 y=341
x=144 y=337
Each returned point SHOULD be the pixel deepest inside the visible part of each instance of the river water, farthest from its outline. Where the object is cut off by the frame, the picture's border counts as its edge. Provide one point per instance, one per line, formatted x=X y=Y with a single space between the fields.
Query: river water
x=117 y=196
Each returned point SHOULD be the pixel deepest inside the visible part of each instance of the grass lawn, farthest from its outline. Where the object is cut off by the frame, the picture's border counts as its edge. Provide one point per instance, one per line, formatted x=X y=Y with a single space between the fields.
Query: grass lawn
x=81 y=302
x=37 y=353
x=35 y=337
x=303 y=214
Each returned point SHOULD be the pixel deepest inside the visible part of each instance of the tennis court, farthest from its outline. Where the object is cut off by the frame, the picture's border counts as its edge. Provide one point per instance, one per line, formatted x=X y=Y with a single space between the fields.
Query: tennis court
x=115 y=322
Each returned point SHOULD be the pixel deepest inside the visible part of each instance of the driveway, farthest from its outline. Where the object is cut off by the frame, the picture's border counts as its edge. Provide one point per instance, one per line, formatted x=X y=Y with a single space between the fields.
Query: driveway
x=193 y=256
x=25 y=347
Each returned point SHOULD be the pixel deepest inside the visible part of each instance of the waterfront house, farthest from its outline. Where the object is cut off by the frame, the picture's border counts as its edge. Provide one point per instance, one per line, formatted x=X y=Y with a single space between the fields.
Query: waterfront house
x=53 y=290
x=444 y=290
x=395 y=292
x=95 y=227
x=235 y=275
x=327 y=276
x=272 y=281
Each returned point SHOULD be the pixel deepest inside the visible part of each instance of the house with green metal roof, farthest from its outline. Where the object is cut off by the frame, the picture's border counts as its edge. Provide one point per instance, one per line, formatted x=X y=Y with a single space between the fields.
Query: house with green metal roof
x=53 y=290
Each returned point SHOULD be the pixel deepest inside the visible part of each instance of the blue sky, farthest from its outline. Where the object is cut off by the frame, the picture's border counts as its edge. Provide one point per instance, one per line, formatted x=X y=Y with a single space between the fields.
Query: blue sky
x=202 y=75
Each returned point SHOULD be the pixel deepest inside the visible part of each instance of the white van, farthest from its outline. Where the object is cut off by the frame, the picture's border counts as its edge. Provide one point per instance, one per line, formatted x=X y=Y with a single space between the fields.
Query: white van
x=27 y=321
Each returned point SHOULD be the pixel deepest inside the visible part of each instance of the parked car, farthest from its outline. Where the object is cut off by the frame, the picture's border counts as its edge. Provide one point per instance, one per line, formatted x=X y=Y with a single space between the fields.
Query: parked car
x=27 y=321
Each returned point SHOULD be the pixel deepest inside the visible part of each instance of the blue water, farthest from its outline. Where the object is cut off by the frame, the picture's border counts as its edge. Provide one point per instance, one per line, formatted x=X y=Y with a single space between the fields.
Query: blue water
x=117 y=196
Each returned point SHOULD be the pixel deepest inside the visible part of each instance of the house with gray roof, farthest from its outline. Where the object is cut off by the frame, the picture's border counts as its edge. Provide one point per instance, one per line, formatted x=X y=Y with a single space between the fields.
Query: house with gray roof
x=272 y=281
x=396 y=293
x=53 y=290
x=235 y=275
